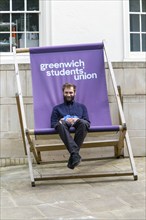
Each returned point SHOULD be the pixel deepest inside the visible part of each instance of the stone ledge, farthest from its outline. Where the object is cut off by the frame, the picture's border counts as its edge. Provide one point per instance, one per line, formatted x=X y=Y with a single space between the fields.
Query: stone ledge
x=138 y=98
x=116 y=65
x=12 y=100
x=9 y=67
x=4 y=162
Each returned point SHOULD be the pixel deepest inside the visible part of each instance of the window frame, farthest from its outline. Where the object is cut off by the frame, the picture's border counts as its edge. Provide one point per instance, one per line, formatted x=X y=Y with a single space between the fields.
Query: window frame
x=130 y=55
x=45 y=34
x=25 y=13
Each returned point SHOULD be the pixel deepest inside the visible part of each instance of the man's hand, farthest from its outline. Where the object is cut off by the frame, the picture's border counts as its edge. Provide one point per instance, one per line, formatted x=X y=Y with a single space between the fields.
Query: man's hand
x=71 y=120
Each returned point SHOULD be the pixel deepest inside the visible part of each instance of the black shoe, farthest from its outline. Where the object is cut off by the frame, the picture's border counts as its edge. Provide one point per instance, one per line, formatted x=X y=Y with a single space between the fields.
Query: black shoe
x=69 y=165
x=74 y=160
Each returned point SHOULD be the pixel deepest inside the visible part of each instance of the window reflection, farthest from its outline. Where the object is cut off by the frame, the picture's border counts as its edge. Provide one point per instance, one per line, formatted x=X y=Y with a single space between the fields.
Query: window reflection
x=135 y=42
x=32 y=40
x=18 y=5
x=134 y=5
x=32 y=5
x=32 y=22
x=134 y=23
x=4 y=22
x=144 y=42
x=144 y=5
x=4 y=5
x=4 y=42
x=143 y=21
x=18 y=20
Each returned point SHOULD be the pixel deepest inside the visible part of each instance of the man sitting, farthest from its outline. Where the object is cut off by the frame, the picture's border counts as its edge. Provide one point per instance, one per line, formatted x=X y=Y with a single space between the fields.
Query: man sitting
x=71 y=114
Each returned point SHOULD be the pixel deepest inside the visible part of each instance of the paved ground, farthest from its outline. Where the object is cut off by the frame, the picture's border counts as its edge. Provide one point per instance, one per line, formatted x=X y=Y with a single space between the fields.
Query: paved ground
x=97 y=198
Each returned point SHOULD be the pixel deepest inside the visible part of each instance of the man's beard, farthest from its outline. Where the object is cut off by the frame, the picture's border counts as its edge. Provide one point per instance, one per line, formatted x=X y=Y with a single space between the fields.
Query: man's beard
x=70 y=100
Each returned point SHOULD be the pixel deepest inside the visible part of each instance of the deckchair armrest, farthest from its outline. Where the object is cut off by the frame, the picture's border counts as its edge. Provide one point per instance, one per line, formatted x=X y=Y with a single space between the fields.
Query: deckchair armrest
x=43 y=131
x=107 y=128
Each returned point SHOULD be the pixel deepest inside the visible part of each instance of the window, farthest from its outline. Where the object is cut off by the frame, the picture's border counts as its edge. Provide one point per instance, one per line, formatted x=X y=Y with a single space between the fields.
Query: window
x=137 y=13
x=19 y=24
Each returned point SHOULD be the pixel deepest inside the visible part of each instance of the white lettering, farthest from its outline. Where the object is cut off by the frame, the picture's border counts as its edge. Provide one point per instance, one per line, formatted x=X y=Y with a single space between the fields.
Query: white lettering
x=85 y=76
x=74 y=68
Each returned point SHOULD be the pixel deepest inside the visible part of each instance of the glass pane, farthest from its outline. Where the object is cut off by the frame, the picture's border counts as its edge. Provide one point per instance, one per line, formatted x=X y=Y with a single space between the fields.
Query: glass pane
x=134 y=23
x=32 y=40
x=21 y=40
x=134 y=5
x=135 y=42
x=144 y=42
x=18 y=40
x=18 y=5
x=32 y=5
x=143 y=23
x=4 y=22
x=144 y=5
x=4 y=5
x=18 y=22
x=4 y=43
x=32 y=22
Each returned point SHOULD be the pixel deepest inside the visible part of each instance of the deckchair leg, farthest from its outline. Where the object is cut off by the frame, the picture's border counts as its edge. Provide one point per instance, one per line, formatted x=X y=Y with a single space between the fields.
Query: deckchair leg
x=118 y=153
x=21 y=121
x=120 y=146
x=39 y=155
x=25 y=142
x=32 y=147
x=33 y=184
x=131 y=156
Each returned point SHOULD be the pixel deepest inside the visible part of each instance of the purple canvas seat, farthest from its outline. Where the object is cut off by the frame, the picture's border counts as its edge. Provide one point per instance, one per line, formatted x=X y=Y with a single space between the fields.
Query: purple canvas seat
x=82 y=65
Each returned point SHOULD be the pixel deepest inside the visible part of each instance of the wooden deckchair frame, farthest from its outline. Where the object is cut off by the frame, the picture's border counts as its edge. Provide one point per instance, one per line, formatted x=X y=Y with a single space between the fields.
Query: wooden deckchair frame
x=30 y=146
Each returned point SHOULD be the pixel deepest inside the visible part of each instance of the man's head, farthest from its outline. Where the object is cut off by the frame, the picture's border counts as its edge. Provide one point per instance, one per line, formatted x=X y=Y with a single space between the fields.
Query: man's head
x=69 y=92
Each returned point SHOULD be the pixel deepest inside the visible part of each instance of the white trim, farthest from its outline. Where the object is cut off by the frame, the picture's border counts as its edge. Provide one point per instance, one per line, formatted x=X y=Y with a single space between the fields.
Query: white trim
x=45 y=23
x=7 y=58
x=128 y=55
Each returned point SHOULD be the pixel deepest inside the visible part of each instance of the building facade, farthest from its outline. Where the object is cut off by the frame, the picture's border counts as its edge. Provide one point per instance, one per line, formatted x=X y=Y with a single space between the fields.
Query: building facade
x=30 y=23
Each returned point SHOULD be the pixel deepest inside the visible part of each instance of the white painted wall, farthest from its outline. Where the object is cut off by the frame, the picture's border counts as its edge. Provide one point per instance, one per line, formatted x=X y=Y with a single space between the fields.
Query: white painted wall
x=89 y=21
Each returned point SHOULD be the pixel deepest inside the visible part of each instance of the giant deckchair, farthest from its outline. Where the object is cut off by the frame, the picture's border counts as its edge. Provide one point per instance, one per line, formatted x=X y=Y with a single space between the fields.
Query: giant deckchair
x=84 y=66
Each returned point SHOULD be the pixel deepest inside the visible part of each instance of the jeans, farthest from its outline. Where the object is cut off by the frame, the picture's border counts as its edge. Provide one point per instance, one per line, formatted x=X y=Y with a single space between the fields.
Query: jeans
x=73 y=144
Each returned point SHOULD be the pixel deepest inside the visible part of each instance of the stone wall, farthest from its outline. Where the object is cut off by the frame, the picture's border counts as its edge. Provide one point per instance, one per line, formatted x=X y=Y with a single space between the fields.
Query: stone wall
x=131 y=77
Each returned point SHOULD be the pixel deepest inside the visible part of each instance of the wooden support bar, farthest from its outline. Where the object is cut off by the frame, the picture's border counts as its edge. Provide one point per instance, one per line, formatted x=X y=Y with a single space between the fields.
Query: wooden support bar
x=22 y=50
x=92 y=144
x=78 y=175
x=32 y=148
x=21 y=121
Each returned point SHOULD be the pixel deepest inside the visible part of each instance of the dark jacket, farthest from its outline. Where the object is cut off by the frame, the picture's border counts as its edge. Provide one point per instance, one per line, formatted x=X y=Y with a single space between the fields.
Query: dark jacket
x=73 y=109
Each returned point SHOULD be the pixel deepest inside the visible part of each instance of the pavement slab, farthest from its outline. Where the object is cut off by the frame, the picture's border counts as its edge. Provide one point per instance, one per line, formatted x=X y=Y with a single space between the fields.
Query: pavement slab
x=103 y=198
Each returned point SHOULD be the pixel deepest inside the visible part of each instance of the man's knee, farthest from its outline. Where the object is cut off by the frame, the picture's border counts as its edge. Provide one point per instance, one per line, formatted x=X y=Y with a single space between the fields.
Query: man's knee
x=61 y=125
x=85 y=125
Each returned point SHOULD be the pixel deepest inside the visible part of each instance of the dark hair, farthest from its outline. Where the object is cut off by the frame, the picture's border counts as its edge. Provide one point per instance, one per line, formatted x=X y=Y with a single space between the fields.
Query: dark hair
x=68 y=85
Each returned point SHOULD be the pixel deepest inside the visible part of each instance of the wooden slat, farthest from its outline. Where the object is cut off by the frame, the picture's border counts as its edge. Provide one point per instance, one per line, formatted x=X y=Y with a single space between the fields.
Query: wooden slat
x=60 y=146
x=78 y=175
